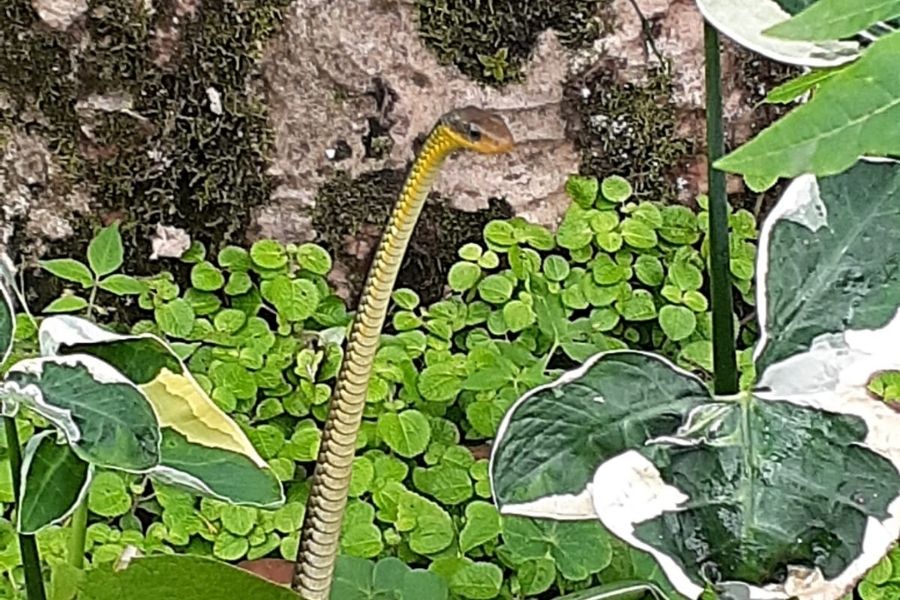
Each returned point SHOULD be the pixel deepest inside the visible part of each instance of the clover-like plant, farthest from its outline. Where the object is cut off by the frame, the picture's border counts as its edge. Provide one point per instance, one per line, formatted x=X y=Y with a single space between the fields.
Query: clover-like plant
x=116 y=402
x=788 y=490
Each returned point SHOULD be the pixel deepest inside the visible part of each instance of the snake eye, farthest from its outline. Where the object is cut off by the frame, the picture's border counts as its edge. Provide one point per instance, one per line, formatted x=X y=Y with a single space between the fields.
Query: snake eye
x=474 y=132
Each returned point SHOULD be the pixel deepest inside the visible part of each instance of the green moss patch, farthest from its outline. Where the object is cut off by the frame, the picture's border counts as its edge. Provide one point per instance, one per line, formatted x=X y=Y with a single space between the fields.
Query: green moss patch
x=492 y=40
x=168 y=156
x=628 y=130
x=163 y=155
x=345 y=205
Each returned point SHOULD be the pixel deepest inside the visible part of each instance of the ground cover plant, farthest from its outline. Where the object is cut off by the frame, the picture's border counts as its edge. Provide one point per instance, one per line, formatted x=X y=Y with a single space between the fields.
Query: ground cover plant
x=582 y=361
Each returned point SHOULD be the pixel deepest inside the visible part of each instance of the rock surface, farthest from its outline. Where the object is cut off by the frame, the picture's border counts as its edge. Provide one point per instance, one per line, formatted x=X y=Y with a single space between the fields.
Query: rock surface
x=59 y=14
x=345 y=68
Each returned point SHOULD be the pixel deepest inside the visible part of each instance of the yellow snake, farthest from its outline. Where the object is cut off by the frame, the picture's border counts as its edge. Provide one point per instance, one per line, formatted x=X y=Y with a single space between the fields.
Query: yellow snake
x=467 y=128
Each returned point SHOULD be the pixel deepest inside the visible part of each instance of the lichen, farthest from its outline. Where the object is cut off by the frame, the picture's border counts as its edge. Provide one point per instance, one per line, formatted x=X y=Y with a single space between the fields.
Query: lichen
x=627 y=129
x=165 y=155
x=346 y=206
x=492 y=40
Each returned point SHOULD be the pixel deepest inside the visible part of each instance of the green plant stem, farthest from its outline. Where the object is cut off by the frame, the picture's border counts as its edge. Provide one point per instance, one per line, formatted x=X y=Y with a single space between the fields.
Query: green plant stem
x=79 y=530
x=31 y=560
x=724 y=361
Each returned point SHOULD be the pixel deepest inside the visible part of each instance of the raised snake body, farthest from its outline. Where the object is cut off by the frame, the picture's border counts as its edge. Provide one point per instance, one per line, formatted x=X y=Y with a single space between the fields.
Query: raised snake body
x=466 y=128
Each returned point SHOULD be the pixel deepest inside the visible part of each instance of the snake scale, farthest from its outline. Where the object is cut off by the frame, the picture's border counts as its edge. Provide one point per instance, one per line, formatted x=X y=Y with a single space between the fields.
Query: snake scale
x=467 y=128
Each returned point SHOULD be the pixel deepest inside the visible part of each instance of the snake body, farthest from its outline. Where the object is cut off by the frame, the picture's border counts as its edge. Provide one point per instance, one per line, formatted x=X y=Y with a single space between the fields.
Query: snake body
x=466 y=128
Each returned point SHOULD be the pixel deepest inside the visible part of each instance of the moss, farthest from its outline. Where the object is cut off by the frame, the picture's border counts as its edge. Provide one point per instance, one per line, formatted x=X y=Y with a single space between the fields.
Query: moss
x=341 y=211
x=169 y=158
x=628 y=130
x=492 y=40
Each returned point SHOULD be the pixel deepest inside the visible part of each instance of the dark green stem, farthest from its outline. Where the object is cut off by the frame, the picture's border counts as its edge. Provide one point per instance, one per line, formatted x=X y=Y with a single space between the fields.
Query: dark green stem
x=724 y=362
x=31 y=561
x=78 y=533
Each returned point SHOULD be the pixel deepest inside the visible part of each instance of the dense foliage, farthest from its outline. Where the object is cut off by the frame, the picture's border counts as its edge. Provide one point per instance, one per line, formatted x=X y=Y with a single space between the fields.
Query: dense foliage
x=261 y=330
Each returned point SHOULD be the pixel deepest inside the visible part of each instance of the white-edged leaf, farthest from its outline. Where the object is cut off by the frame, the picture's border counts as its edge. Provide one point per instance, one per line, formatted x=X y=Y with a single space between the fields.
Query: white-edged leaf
x=777 y=496
x=202 y=447
x=7 y=322
x=106 y=419
x=744 y=22
x=54 y=482
x=829 y=261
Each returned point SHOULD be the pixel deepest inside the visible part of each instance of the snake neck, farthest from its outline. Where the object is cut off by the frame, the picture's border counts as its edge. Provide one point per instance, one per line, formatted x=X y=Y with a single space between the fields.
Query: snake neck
x=320 y=533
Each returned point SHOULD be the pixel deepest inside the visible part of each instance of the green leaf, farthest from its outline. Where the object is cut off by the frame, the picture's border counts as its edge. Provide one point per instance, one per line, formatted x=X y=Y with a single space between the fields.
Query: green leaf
x=696 y=301
x=463 y=276
x=578 y=549
x=206 y=277
x=175 y=318
x=106 y=418
x=470 y=251
x=239 y=520
x=268 y=254
x=195 y=253
x=429 y=526
x=677 y=322
x=477 y=581
x=794 y=88
x=518 y=315
x=500 y=233
x=582 y=190
x=105 y=251
x=406 y=433
x=70 y=270
x=108 y=495
x=638 y=234
x=556 y=268
x=616 y=188
x=54 y=481
x=122 y=285
x=65 y=304
x=679 y=225
x=238 y=283
x=185 y=577
x=686 y=276
x=405 y=298
x=359 y=534
x=835 y=19
x=314 y=258
x=388 y=579
x=537 y=575
x=609 y=241
x=816 y=138
x=638 y=307
x=482 y=525
x=235 y=259
x=649 y=270
x=65 y=581
x=495 y=289
x=440 y=382
x=294 y=299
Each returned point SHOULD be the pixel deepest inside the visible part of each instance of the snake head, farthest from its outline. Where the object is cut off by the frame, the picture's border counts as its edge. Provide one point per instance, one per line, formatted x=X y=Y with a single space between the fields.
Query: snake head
x=479 y=130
